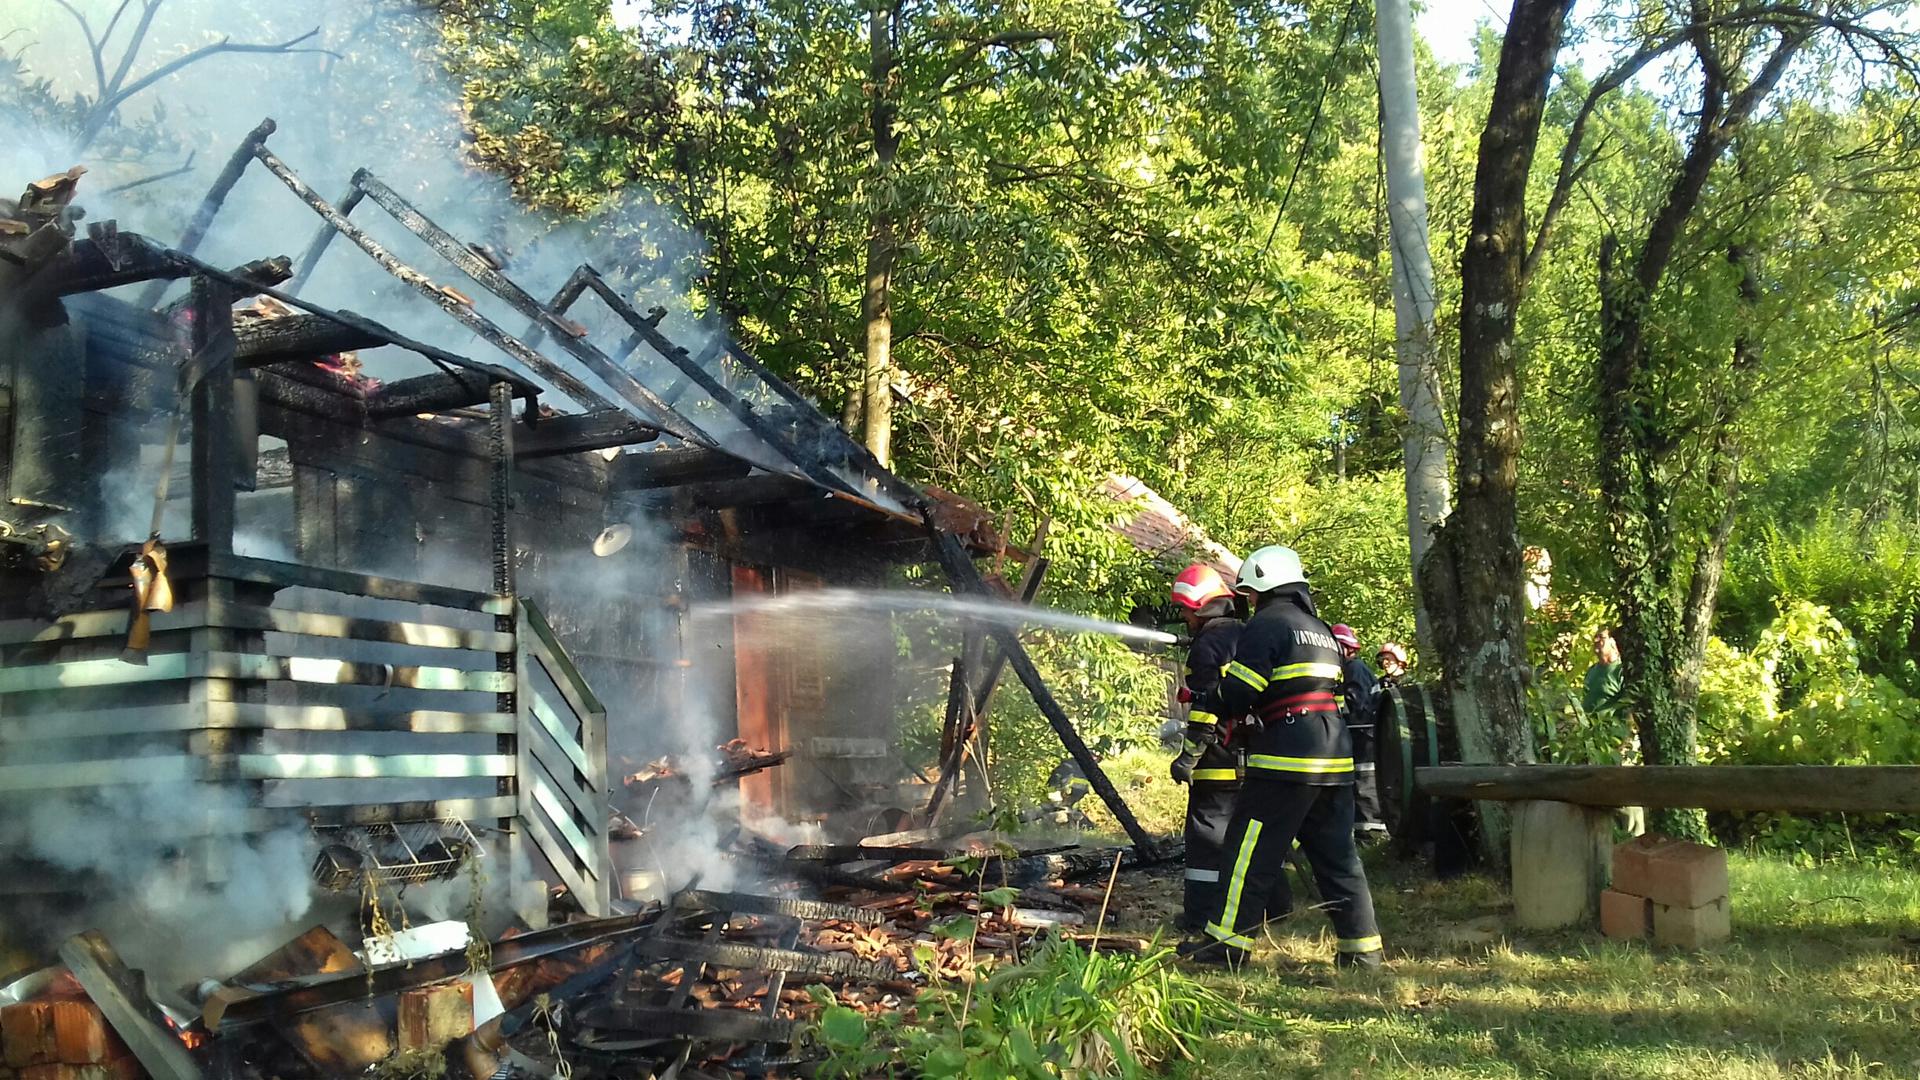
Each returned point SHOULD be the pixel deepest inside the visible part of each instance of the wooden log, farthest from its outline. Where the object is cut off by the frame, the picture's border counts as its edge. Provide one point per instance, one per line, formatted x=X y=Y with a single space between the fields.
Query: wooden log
x=1562 y=857
x=1889 y=789
x=433 y=393
x=298 y=337
x=596 y=430
x=139 y=1024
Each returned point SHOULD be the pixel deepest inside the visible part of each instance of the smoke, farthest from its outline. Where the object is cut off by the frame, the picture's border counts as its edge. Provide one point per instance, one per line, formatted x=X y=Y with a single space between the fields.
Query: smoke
x=368 y=90
x=150 y=893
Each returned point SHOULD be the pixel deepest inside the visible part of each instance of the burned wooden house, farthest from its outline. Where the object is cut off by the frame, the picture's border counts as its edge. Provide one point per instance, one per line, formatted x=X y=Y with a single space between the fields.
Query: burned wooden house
x=415 y=614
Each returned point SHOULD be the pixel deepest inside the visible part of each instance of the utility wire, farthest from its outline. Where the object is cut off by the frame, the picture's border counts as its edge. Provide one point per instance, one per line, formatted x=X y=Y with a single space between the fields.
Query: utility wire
x=1313 y=122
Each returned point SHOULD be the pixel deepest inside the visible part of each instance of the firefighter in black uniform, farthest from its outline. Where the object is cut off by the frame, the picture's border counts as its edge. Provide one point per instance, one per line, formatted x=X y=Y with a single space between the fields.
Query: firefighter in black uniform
x=1208 y=767
x=1360 y=694
x=1299 y=785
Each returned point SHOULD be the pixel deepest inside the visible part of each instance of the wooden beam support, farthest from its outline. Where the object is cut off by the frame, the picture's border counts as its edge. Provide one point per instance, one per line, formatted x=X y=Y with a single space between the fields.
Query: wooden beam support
x=965 y=579
x=449 y=247
x=1852 y=789
x=582 y=432
x=216 y=451
x=462 y=312
x=428 y=394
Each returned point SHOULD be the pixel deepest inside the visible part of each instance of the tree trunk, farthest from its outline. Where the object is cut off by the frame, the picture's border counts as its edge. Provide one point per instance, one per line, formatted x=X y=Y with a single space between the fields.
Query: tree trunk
x=1637 y=436
x=1472 y=575
x=1703 y=588
x=1424 y=438
x=876 y=308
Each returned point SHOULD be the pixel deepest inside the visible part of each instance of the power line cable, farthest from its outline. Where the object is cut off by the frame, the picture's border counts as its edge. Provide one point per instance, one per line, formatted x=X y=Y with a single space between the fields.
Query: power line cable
x=1313 y=122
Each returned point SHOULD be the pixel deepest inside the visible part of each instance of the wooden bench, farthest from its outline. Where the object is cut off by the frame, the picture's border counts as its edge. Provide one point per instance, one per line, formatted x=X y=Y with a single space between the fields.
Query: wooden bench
x=1563 y=818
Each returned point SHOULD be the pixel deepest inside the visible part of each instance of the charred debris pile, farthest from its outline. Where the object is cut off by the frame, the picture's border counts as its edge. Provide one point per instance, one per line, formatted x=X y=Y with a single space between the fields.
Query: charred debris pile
x=703 y=983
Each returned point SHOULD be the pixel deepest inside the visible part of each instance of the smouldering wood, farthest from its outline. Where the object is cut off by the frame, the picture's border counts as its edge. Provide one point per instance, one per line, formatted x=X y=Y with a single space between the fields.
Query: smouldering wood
x=298 y=337
x=116 y=991
x=598 y=430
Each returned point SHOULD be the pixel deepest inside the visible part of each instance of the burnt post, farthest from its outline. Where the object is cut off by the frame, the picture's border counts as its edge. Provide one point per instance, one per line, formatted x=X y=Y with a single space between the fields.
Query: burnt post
x=965 y=578
x=216 y=450
x=506 y=620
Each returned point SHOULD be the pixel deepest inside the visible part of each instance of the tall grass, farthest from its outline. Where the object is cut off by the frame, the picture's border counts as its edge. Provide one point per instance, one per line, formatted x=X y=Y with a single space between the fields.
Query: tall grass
x=1065 y=1012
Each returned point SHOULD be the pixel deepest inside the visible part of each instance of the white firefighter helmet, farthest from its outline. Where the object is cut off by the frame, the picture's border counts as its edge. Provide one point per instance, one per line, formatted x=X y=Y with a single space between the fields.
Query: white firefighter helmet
x=1269 y=568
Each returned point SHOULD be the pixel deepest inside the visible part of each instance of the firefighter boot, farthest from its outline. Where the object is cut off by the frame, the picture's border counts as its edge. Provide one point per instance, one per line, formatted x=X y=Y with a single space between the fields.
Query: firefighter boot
x=1212 y=953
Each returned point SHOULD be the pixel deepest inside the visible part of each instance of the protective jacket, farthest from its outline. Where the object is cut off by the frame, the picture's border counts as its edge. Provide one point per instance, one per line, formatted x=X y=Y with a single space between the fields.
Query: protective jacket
x=1284 y=678
x=1207 y=659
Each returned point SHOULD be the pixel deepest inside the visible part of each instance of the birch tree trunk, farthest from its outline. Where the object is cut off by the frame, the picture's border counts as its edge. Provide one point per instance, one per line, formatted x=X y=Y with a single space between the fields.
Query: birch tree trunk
x=876 y=307
x=1424 y=437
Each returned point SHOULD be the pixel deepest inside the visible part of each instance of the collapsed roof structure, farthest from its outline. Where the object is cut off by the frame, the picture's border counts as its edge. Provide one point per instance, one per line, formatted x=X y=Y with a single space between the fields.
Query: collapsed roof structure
x=433 y=618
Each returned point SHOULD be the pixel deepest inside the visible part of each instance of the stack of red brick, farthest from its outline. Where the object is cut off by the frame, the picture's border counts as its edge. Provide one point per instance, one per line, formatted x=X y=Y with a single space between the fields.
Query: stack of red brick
x=62 y=1036
x=1673 y=890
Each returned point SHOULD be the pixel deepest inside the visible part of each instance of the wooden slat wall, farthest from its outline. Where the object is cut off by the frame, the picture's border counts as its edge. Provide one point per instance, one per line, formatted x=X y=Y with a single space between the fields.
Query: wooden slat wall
x=367 y=716
x=562 y=765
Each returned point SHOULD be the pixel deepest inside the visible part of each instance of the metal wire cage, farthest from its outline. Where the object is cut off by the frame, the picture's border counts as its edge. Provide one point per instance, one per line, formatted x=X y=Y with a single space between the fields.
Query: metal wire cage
x=403 y=852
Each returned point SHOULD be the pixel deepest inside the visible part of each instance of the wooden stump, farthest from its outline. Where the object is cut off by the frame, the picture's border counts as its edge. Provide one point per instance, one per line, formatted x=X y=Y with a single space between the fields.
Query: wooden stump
x=1561 y=863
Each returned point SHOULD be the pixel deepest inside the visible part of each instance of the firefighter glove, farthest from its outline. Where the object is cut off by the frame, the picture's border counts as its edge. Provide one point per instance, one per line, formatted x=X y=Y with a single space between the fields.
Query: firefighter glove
x=1182 y=769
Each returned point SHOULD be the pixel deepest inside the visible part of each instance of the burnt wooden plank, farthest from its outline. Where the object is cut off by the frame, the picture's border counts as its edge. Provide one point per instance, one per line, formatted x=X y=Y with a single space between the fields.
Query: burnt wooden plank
x=115 y=990
x=756 y=904
x=760 y=958
x=668 y=468
x=438 y=392
x=448 y=247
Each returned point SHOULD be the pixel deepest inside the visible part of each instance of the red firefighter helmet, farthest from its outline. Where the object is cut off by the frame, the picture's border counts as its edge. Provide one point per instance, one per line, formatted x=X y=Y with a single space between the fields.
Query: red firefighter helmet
x=1197 y=585
x=1348 y=640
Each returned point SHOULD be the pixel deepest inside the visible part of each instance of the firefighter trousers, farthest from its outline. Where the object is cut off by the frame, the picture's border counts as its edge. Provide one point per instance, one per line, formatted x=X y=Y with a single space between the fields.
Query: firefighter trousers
x=1366 y=787
x=1210 y=806
x=1271 y=815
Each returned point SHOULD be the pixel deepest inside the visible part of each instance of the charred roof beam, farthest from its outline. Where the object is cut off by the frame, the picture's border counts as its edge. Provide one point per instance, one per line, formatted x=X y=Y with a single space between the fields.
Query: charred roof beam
x=186 y=264
x=570 y=337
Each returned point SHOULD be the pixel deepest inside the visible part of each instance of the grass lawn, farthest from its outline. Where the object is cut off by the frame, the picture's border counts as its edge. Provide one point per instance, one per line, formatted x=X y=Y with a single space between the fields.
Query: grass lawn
x=1822 y=979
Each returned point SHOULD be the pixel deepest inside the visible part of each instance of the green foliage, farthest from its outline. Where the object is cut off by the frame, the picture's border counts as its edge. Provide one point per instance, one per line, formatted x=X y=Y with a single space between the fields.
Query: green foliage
x=1063 y=1012
x=1799 y=696
x=1866 y=573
